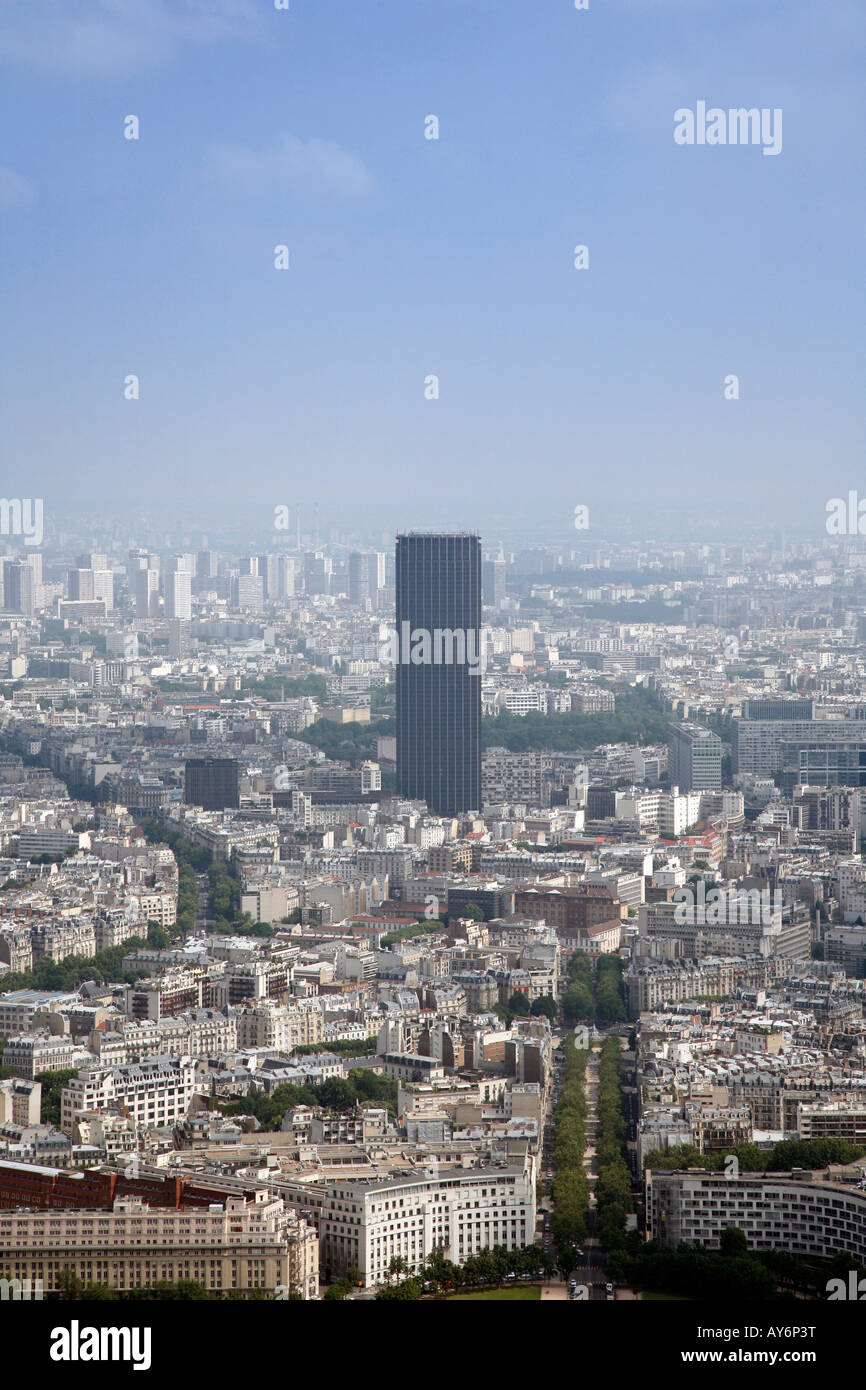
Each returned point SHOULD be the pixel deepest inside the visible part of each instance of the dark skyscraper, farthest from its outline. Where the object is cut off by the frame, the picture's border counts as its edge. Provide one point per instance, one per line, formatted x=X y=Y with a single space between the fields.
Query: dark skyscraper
x=211 y=783
x=439 y=659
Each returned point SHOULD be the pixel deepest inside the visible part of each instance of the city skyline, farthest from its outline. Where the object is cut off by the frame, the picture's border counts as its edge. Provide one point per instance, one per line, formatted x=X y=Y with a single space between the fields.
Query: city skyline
x=432 y=674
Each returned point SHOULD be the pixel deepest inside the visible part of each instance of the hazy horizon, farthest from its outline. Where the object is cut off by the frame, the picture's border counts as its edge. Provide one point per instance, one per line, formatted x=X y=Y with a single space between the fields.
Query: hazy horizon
x=411 y=257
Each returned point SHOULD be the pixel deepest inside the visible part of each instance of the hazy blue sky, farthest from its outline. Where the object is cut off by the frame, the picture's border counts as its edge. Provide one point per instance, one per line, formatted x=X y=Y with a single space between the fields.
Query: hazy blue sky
x=411 y=256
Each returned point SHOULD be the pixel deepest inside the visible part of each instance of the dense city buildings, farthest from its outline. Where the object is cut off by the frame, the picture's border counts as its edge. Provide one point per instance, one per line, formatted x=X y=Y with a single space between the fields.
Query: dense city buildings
x=284 y=953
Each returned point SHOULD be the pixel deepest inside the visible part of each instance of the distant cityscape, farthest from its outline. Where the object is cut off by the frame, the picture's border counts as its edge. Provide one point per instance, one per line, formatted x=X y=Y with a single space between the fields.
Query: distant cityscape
x=432 y=680
x=327 y=974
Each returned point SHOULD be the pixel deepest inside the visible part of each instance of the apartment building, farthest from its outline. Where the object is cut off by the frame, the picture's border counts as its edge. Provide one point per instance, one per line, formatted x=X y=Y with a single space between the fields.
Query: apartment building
x=408 y=1066
x=457 y=1211
x=29 y=1054
x=718 y=1129
x=117 y=925
x=56 y=940
x=627 y=886
x=270 y=1025
x=152 y=1093
x=269 y=902
x=200 y=1033
x=236 y=1246
x=176 y=990
x=16 y=948
x=672 y=813
x=652 y=984
x=20 y=1102
x=602 y=938
x=680 y=930
x=246 y=982
x=449 y=859
x=158 y=907
x=33 y=841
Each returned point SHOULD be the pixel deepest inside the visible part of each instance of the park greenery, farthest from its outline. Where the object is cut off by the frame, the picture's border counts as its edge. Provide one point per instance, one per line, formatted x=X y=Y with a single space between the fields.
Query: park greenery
x=637 y=718
x=731 y=1274
x=52 y=1083
x=352 y=743
x=273 y=686
x=422 y=928
x=106 y=967
x=361 y=1087
x=518 y=1006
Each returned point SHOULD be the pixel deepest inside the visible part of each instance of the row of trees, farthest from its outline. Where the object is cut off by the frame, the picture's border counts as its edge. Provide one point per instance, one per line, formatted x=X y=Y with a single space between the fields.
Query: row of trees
x=570 y=1183
x=440 y=1275
x=609 y=991
x=613 y=1188
x=594 y=994
x=191 y=860
x=781 y=1158
x=185 y=852
x=577 y=1002
x=224 y=905
x=487 y=1267
x=695 y=1274
x=224 y=895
